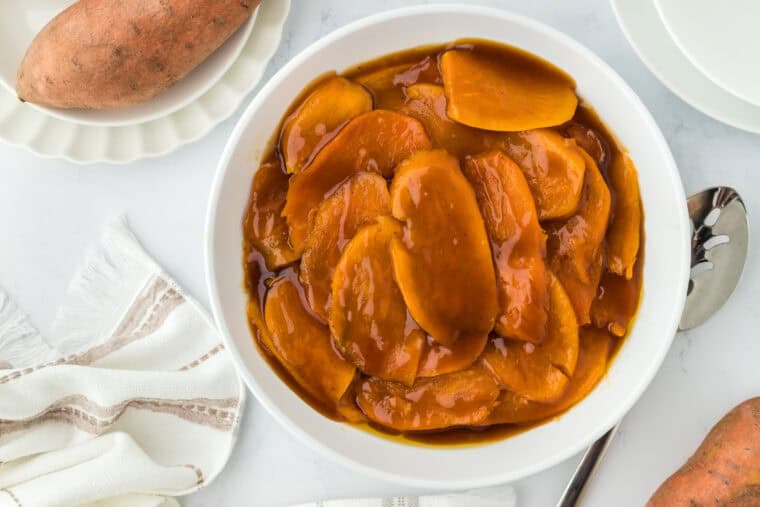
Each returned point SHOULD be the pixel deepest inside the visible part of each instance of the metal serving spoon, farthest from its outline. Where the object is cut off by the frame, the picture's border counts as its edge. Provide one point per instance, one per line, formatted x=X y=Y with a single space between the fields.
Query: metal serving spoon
x=719 y=241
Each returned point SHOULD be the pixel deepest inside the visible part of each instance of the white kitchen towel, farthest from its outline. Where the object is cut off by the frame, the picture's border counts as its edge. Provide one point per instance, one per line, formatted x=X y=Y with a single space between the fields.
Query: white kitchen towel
x=501 y=496
x=131 y=400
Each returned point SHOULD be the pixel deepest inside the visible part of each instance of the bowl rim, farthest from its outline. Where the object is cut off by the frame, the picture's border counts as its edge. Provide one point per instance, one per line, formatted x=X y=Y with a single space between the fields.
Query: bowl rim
x=81 y=116
x=609 y=419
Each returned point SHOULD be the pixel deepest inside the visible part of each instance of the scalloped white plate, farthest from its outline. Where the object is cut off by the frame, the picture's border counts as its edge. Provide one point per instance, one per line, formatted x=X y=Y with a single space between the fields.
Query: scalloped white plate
x=49 y=137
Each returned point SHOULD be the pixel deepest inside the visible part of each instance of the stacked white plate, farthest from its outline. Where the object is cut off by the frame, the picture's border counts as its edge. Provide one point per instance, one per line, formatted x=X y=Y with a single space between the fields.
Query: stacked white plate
x=181 y=115
x=704 y=51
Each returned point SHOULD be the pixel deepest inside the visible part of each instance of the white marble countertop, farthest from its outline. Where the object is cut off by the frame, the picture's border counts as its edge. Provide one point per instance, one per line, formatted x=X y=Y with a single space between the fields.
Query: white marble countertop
x=50 y=211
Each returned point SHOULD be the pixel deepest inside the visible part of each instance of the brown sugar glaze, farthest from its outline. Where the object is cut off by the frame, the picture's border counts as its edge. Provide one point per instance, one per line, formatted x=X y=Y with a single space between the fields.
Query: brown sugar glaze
x=452 y=372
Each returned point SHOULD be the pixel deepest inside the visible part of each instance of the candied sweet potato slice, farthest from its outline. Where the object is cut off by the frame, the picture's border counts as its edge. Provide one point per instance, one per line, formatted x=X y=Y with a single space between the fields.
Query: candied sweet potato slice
x=591 y=141
x=553 y=167
x=518 y=243
x=387 y=83
x=374 y=142
x=356 y=202
x=438 y=359
x=492 y=94
x=442 y=262
x=318 y=118
x=302 y=344
x=368 y=316
x=575 y=246
x=616 y=302
x=264 y=226
x=624 y=232
x=595 y=347
x=427 y=103
x=539 y=372
x=463 y=398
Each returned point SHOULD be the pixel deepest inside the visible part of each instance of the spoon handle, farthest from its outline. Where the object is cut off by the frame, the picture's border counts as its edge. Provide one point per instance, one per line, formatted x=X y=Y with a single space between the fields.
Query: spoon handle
x=586 y=468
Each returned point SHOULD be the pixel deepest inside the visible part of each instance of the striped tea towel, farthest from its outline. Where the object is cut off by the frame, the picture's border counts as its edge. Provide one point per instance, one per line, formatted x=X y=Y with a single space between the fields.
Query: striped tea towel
x=133 y=399
x=500 y=496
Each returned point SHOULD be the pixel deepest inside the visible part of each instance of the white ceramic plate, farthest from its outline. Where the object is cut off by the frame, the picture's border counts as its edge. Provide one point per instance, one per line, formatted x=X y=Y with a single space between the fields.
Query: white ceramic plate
x=720 y=39
x=646 y=32
x=665 y=271
x=26 y=126
x=22 y=20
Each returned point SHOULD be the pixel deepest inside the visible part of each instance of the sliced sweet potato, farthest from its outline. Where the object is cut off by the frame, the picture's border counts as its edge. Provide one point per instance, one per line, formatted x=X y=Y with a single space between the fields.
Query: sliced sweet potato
x=438 y=359
x=595 y=347
x=319 y=117
x=387 y=83
x=463 y=398
x=427 y=103
x=492 y=94
x=592 y=142
x=625 y=226
x=302 y=344
x=356 y=202
x=267 y=230
x=616 y=302
x=442 y=263
x=553 y=167
x=575 y=246
x=374 y=142
x=368 y=315
x=539 y=372
x=518 y=243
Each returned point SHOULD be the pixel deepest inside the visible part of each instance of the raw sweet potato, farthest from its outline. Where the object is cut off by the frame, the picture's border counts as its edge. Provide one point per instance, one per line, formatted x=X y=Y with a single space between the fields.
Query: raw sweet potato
x=725 y=469
x=101 y=54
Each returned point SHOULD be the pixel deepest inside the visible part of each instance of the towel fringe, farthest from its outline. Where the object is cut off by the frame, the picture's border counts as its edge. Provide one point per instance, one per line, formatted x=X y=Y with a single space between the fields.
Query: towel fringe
x=100 y=293
x=21 y=345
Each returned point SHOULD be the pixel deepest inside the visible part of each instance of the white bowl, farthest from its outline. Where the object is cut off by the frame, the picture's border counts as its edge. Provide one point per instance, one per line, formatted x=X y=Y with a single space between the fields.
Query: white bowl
x=665 y=271
x=21 y=20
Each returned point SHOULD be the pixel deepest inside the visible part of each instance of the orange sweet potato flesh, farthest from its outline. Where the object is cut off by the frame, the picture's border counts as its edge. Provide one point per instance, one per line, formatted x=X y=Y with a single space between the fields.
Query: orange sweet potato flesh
x=591 y=141
x=553 y=167
x=387 y=83
x=490 y=94
x=374 y=142
x=623 y=235
x=442 y=263
x=539 y=372
x=318 y=118
x=368 y=317
x=267 y=228
x=725 y=469
x=356 y=202
x=595 y=346
x=302 y=344
x=463 y=398
x=575 y=246
x=427 y=103
x=518 y=244
x=438 y=359
x=616 y=302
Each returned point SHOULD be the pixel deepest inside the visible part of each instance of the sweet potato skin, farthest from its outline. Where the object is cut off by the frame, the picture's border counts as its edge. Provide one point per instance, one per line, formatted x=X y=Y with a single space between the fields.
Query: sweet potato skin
x=101 y=54
x=725 y=469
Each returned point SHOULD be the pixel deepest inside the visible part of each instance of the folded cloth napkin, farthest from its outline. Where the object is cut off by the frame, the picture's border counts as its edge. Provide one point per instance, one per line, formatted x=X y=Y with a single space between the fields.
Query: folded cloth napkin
x=501 y=496
x=132 y=401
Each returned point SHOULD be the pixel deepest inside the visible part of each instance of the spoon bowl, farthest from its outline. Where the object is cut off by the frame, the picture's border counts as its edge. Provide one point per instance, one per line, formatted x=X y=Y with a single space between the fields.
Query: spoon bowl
x=20 y=22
